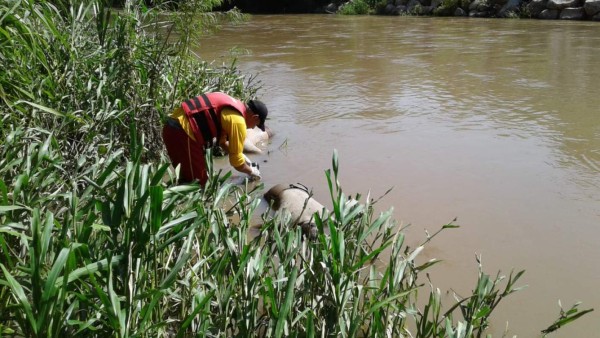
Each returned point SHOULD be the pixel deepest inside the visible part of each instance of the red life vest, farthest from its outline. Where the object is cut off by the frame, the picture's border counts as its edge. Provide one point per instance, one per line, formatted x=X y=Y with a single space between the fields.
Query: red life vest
x=204 y=114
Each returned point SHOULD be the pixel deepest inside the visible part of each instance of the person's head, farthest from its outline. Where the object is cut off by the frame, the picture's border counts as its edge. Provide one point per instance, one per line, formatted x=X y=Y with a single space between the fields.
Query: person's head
x=257 y=114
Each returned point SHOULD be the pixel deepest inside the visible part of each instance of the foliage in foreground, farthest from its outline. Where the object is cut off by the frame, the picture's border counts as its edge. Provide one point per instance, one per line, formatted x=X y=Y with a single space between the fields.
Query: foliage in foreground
x=97 y=241
x=134 y=255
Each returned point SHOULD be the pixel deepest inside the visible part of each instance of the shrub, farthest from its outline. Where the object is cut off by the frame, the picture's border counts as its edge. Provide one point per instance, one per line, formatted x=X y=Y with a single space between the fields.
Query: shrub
x=447 y=8
x=354 y=7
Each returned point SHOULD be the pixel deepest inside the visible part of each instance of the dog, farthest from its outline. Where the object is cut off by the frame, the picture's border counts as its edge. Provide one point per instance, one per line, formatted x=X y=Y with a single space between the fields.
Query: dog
x=298 y=201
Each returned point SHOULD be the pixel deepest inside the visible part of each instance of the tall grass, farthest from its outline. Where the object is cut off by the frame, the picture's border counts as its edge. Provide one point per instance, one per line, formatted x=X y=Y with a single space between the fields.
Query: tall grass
x=97 y=239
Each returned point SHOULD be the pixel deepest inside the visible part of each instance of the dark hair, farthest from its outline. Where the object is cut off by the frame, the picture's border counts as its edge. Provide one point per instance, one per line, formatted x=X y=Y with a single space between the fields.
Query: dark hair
x=261 y=110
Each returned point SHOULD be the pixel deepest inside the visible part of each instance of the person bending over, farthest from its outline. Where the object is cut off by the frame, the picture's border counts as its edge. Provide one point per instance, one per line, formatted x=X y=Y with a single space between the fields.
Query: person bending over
x=192 y=128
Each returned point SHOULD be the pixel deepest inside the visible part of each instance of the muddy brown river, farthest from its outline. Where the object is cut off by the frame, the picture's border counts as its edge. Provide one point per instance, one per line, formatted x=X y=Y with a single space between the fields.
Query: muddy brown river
x=493 y=121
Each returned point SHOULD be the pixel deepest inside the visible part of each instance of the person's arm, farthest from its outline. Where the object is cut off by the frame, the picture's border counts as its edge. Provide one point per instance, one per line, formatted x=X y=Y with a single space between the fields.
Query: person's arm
x=246 y=169
x=237 y=135
x=224 y=144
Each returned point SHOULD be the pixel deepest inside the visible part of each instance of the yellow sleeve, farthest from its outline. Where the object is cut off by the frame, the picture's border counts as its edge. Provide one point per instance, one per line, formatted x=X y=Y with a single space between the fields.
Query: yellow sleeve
x=234 y=128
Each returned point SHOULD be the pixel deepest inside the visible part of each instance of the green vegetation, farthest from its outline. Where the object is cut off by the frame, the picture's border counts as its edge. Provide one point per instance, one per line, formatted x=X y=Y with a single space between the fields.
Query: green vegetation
x=97 y=239
x=362 y=7
x=448 y=7
x=355 y=7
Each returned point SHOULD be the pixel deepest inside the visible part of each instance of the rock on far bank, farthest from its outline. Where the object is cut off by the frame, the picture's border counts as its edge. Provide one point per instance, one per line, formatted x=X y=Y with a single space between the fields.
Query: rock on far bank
x=572 y=13
x=592 y=7
x=562 y=4
x=549 y=14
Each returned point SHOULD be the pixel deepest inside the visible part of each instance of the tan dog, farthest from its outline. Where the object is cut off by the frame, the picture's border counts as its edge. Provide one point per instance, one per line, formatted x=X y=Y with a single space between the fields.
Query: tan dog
x=296 y=200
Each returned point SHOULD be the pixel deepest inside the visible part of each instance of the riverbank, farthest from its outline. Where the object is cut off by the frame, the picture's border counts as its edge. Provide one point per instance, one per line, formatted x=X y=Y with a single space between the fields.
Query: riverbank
x=531 y=9
x=536 y=9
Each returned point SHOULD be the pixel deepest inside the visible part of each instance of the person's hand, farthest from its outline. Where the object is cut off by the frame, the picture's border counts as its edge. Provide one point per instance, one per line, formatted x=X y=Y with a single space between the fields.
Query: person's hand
x=250 y=163
x=247 y=160
x=218 y=151
x=255 y=174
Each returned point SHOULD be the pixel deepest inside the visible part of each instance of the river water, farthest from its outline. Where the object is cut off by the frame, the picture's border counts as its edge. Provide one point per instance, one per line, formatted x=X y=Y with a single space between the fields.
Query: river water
x=493 y=121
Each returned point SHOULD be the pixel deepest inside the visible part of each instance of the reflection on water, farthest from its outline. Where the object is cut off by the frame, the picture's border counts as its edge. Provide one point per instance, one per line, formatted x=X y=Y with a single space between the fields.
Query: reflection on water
x=493 y=121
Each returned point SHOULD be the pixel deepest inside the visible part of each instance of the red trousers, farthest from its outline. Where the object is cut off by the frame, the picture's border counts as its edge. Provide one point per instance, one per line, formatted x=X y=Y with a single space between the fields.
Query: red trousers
x=186 y=152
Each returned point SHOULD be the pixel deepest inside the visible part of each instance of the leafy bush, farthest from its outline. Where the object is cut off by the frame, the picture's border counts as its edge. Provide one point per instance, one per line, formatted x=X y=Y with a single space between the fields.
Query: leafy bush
x=447 y=8
x=355 y=7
